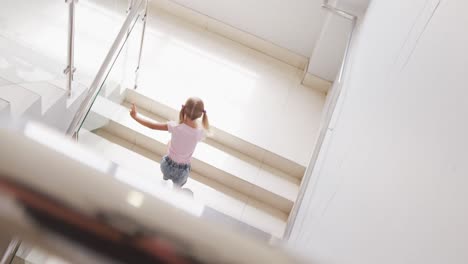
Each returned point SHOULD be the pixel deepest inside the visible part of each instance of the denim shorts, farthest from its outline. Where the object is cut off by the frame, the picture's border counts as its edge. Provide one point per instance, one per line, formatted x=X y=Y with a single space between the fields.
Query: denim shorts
x=176 y=172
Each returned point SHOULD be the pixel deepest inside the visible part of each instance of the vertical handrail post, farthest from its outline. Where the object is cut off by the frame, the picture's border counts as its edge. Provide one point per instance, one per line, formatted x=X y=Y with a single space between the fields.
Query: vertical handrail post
x=70 y=69
x=137 y=71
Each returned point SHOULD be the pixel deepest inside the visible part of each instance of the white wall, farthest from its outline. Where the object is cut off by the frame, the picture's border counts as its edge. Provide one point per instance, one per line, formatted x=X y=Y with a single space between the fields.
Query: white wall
x=294 y=25
x=327 y=57
x=391 y=185
x=329 y=50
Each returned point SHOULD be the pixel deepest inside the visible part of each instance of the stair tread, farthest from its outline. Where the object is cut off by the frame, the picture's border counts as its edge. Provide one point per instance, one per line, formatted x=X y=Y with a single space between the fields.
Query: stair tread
x=209 y=192
x=230 y=161
x=21 y=99
x=50 y=94
x=77 y=91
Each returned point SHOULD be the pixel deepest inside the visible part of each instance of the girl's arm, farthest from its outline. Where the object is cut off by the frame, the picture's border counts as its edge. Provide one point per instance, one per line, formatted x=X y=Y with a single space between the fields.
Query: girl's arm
x=147 y=123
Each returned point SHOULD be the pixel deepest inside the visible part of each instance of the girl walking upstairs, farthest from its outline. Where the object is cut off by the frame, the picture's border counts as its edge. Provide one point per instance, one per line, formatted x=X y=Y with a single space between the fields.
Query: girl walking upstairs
x=186 y=134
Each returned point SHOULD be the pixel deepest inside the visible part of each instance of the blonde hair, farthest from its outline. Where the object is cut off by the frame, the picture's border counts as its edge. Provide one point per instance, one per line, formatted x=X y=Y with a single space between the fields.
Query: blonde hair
x=194 y=108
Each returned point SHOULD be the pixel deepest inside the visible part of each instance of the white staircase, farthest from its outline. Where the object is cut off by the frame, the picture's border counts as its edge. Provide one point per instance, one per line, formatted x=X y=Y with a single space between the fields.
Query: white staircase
x=230 y=175
x=44 y=101
x=23 y=102
x=32 y=86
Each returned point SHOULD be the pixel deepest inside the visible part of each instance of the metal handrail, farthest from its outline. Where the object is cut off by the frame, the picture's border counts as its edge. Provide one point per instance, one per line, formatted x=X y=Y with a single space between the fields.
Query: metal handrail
x=137 y=71
x=10 y=252
x=326 y=120
x=70 y=69
x=105 y=68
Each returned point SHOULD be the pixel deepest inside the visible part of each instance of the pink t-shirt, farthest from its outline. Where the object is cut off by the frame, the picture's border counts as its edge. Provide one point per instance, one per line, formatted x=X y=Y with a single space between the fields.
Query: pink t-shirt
x=183 y=142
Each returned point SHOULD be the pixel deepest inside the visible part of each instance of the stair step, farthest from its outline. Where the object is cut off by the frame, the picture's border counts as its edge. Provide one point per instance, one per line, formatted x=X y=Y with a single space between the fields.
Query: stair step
x=220 y=163
x=145 y=164
x=144 y=101
x=73 y=102
x=51 y=95
x=22 y=101
x=78 y=92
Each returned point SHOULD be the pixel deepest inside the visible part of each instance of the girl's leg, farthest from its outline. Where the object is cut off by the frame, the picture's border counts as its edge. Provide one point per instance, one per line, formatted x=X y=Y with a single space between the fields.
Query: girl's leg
x=165 y=169
x=182 y=177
